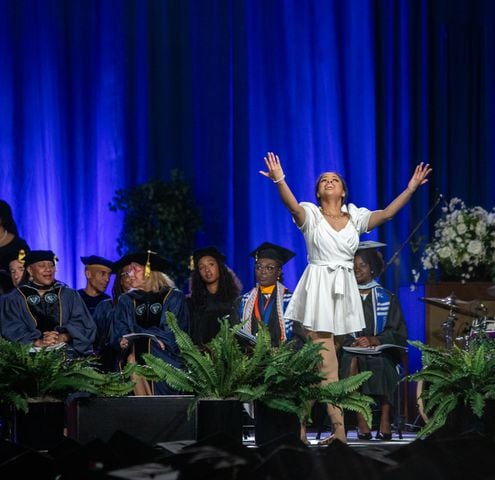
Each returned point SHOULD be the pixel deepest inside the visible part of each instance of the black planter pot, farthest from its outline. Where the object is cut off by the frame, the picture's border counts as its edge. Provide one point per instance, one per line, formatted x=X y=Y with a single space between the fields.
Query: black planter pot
x=270 y=424
x=462 y=420
x=42 y=428
x=219 y=417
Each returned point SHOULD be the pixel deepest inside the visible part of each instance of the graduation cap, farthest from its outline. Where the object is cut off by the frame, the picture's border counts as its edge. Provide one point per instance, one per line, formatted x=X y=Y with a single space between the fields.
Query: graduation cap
x=96 y=260
x=35 y=256
x=150 y=260
x=210 y=251
x=274 y=252
x=19 y=255
x=370 y=244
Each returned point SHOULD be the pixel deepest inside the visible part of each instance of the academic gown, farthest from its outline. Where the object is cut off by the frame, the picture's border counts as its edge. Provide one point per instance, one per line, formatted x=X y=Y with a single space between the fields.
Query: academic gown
x=145 y=312
x=205 y=319
x=92 y=302
x=271 y=310
x=103 y=316
x=25 y=316
x=385 y=375
x=12 y=247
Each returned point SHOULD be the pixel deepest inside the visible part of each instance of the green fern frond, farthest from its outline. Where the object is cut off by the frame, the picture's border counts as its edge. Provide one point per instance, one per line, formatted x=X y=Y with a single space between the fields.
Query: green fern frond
x=157 y=369
x=26 y=374
x=200 y=365
x=453 y=378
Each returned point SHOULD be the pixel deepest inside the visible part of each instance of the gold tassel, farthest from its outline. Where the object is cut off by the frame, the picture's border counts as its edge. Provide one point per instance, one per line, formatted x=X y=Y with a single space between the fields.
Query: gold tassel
x=147 y=267
x=21 y=256
x=191 y=263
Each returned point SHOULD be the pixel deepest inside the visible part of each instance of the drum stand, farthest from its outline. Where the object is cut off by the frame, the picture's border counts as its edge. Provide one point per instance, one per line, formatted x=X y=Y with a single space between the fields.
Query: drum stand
x=448 y=329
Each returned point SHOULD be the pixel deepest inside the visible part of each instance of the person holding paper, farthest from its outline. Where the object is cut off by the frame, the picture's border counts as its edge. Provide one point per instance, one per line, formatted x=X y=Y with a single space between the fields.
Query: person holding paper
x=143 y=310
x=385 y=324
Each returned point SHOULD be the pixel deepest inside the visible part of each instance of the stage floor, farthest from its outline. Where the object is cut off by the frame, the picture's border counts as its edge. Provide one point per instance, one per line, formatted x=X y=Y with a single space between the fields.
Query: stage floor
x=352 y=440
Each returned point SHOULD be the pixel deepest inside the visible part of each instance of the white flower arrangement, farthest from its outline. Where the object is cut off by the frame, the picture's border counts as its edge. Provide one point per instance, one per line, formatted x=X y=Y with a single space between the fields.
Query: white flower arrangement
x=464 y=243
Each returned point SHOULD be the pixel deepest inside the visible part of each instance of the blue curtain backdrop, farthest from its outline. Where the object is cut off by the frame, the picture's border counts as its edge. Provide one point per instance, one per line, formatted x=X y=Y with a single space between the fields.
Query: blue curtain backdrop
x=97 y=95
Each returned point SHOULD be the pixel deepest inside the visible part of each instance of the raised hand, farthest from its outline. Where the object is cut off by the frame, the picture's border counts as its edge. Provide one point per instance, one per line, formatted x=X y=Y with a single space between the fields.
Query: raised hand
x=275 y=171
x=419 y=176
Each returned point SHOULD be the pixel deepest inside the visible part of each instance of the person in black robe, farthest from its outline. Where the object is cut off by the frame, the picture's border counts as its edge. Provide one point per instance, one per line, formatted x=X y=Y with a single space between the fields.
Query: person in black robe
x=385 y=324
x=97 y=272
x=17 y=269
x=10 y=242
x=46 y=312
x=213 y=288
x=104 y=315
x=143 y=312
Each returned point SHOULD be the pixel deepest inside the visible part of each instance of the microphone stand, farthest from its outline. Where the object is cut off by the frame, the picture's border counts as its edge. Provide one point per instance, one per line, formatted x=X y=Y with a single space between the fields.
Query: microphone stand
x=415 y=229
x=447 y=326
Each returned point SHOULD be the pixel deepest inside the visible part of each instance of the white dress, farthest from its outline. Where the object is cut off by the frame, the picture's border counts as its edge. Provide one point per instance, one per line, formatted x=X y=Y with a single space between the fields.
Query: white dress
x=326 y=298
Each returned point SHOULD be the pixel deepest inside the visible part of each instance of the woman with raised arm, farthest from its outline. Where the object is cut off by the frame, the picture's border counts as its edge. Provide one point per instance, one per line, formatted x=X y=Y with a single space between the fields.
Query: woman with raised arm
x=326 y=299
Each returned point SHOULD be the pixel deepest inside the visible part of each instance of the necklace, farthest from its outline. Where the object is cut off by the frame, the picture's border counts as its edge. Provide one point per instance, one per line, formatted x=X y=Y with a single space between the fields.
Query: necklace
x=329 y=215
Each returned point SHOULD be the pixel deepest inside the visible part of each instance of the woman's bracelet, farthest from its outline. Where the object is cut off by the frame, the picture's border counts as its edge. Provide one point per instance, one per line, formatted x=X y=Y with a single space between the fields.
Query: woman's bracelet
x=280 y=179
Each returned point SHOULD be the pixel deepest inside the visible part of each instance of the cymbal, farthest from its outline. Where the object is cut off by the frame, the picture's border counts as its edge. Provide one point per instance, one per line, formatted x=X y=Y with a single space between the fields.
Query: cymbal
x=473 y=308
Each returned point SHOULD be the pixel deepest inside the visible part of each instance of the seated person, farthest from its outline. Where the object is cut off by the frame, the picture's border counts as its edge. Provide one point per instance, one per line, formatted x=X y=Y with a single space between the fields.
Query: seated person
x=104 y=318
x=384 y=324
x=97 y=271
x=45 y=312
x=16 y=272
x=10 y=242
x=17 y=268
x=5 y=283
x=144 y=310
x=267 y=301
x=213 y=288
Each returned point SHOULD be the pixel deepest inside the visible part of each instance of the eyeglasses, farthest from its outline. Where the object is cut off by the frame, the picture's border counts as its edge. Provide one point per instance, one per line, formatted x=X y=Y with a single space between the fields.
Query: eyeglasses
x=265 y=268
x=131 y=270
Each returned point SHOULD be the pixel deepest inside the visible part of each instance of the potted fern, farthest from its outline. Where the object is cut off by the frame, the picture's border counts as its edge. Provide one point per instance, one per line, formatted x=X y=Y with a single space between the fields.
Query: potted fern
x=459 y=388
x=293 y=381
x=221 y=376
x=35 y=384
x=281 y=378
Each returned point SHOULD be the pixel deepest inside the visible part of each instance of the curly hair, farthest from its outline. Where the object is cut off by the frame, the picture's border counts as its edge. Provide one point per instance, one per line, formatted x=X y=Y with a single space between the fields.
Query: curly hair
x=373 y=258
x=7 y=219
x=229 y=286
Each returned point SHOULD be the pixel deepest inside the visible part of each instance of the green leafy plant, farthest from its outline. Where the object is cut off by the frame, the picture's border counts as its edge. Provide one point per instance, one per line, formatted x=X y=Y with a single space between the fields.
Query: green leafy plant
x=293 y=380
x=223 y=370
x=453 y=378
x=162 y=217
x=282 y=377
x=26 y=375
